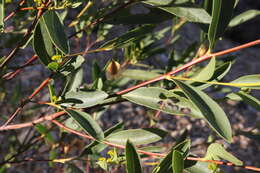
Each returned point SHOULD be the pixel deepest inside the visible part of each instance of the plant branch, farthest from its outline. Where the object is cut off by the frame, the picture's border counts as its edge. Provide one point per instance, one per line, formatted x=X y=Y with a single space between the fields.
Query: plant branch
x=150 y=153
x=189 y=64
x=15 y=11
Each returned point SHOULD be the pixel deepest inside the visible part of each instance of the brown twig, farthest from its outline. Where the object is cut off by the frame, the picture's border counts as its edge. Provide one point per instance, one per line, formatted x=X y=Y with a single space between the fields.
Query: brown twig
x=150 y=153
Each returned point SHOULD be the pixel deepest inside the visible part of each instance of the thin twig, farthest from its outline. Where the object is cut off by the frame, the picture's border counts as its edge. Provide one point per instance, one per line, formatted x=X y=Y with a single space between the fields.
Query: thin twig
x=15 y=11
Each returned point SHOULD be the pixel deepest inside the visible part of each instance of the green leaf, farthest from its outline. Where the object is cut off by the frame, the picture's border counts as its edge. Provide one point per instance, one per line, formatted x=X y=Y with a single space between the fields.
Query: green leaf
x=212 y=112
x=163 y=100
x=207 y=72
x=87 y=123
x=56 y=31
x=222 y=12
x=249 y=79
x=133 y=164
x=129 y=37
x=244 y=17
x=177 y=161
x=252 y=101
x=83 y=99
x=42 y=44
x=216 y=151
x=137 y=136
x=2 y=14
x=73 y=81
x=165 y=165
x=139 y=74
x=189 y=12
x=71 y=65
x=95 y=146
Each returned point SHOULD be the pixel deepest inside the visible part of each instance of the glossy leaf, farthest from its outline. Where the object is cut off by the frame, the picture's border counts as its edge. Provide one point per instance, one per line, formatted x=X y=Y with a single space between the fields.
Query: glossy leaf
x=177 y=161
x=139 y=74
x=216 y=151
x=212 y=112
x=190 y=13
x=137 y=136
x=83 y=99
x=87 y=123
x=133 y=164
x=2 y=14
x=56 y=31
x=163 y=100
x=42 y=44
x=244 y=17
x=249 y=81
x=129 y=37
x=222 y=12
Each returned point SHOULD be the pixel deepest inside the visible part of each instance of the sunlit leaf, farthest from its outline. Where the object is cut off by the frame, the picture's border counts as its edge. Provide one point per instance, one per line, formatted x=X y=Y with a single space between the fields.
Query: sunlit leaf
x=244 y=17
x=163 y=100
x=177 y=161
x=83 y=99
x=137 y=136
x=249 y=81
x=212 y=112
x=216 y=151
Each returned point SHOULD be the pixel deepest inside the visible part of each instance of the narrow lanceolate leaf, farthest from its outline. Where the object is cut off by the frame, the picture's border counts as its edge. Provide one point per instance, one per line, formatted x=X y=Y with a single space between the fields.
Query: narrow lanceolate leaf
x=163 y=100
x=42 y=44
x=252 y=101
x=165 y=165
x=244 y=17
x=190 y=13
x=212 y=112
x=222 y=11
x=83 y=99
x=133 y=164
x=137 y=136
x=2 y=14
x=87 y=123
x=249 y=81
x=216 y=151
x=56 y=31
x=177 y=161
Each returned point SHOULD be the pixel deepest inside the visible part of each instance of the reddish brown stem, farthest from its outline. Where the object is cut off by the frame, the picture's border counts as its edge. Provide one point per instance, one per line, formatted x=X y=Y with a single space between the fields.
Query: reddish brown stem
x=150 y=153
x=32 y=123
x=15 y=11
x=189 y=64
x=11 y=75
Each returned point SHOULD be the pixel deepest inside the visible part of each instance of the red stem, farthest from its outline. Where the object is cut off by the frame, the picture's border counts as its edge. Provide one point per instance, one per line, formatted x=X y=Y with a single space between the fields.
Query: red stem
x=189 y=64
